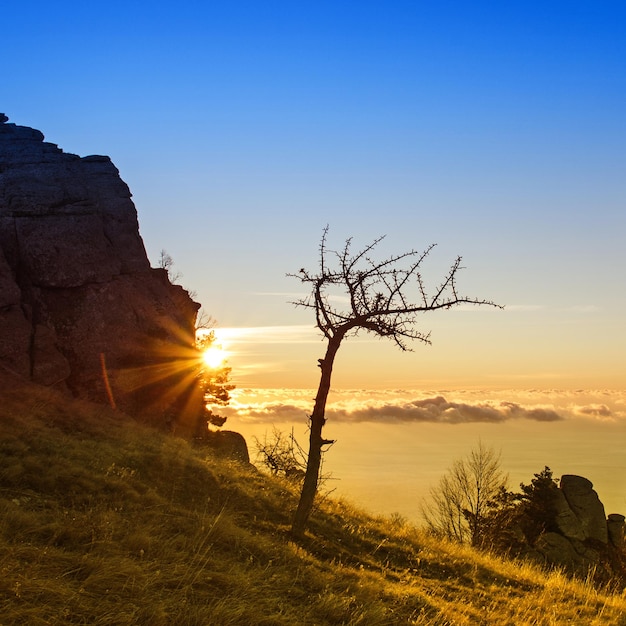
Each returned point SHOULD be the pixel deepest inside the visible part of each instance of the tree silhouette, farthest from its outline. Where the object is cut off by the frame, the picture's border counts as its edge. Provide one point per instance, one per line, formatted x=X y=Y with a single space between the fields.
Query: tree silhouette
x=381 y=297
x=462 y=501
x=216 y=386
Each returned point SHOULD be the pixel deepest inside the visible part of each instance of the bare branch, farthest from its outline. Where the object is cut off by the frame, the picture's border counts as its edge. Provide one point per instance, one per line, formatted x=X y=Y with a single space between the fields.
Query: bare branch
x=385 y=298
x=378 y=293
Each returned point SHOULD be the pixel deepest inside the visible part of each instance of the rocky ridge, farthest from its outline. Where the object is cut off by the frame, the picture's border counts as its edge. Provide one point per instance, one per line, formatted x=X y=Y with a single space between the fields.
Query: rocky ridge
x=80 y=307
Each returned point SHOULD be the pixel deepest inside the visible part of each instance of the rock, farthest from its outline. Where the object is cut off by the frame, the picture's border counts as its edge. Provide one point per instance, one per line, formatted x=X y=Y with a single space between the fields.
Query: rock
x=586 y=505
x=581 y=540
x=566 y=521
x=10 y=293
x=228 y=444
x=557 y=550
x=49 y=366
x=589 y=556
x=616 y=526
x=15 y=337
x=573 y=555
x=80 y=306
x=15 y=329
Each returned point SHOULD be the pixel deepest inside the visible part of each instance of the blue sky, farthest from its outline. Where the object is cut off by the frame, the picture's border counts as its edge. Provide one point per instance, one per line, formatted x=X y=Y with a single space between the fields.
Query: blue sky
x=243 y=128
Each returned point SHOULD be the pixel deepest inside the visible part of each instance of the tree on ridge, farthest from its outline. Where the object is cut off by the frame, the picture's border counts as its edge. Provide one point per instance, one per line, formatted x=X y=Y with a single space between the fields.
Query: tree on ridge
x=380 y=297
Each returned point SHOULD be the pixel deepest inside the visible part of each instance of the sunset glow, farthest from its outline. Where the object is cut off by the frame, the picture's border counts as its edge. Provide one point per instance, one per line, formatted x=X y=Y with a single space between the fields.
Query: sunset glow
x=214 y=357
x=494 y=130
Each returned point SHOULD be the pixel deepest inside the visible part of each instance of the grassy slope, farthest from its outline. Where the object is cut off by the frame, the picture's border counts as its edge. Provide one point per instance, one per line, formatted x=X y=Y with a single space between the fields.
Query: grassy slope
x=105 y=522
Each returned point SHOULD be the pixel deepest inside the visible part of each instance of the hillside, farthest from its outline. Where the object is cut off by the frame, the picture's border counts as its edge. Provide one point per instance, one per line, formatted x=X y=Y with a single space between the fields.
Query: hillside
x=104 y=521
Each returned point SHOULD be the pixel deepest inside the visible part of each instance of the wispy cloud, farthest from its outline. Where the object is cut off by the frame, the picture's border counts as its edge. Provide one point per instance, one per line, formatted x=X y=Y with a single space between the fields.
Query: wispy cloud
x=530 y=308
x=291 y=295
x=295 y=296
x=267 y=334
x=584 y=308
x=525 y=307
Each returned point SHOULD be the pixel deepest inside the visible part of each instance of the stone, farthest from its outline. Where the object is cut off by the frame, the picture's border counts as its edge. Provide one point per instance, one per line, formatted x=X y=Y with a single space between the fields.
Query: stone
x=10 y=293
x=49 y=366
x=566 y=521
x=15 y=337
x=558 y=550
x=616 y=526
x=80 y=307
x=586 y=506
x=581 y=540
x=228 y=444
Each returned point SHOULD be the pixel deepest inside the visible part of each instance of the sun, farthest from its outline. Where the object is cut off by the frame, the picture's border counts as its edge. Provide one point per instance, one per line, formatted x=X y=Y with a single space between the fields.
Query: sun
x=213 y=357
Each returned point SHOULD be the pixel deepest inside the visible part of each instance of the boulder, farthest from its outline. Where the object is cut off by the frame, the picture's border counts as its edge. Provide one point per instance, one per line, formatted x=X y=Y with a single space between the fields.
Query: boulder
x=566 y=521
x=558 y=550
x=580 y=539
x=228 y=444
x=586 y=506
x=80 y=306
x=616 y=525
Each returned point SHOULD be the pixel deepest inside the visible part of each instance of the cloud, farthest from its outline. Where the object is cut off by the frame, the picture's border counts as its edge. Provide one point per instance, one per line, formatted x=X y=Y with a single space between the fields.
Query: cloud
x=297 y=295
x=440 y=410
x=435 y=409
x=525 y=307
x=598 y=411
x=269 y=412
x=268 y=334
x=584 y=308
x=576 y=308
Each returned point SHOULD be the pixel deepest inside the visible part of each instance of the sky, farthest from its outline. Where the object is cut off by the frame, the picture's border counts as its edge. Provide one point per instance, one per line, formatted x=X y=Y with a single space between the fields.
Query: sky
x=494 y=129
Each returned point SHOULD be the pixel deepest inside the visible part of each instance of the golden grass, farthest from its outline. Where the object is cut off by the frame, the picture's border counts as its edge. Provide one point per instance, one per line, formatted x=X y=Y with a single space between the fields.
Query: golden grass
x=104 y=522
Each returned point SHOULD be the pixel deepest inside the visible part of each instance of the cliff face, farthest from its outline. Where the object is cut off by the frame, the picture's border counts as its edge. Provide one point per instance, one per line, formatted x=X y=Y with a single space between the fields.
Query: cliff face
x=80 y=307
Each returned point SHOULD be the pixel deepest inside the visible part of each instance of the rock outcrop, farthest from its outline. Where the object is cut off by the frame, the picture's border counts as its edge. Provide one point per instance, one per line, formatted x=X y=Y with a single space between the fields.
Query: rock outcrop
x=586 y=506
x=80 y=307
x=228 y=444
x=616 y=526
x=583 y=539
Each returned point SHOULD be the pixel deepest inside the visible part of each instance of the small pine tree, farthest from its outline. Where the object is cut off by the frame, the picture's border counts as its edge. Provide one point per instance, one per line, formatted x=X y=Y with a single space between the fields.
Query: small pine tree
x=516 y=520
x=538 y=509
x=216 y=386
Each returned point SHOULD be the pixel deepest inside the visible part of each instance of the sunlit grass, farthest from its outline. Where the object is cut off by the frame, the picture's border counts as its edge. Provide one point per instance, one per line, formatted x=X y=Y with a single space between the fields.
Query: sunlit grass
x=105 y=522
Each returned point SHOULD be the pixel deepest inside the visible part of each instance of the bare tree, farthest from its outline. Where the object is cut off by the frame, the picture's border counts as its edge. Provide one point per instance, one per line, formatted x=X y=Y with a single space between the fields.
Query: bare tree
x=461 y=501
x=282 y=454
x=166 y=262
x=204 y=321
x=385 y=298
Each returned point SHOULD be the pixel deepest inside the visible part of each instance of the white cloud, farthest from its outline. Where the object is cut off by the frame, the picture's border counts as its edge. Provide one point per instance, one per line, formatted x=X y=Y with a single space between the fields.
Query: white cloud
x=268 y=334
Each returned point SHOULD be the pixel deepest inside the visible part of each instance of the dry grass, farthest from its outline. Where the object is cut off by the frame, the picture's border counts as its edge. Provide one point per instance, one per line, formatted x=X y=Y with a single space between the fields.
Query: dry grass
x=103 y=522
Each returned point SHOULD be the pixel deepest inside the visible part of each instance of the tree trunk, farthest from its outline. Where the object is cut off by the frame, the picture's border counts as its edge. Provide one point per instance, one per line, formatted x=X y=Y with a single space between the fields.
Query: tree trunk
x=316 y=441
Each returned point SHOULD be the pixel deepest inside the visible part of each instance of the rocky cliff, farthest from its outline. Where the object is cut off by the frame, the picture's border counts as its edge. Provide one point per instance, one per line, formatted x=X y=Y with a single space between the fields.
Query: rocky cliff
x=80 y=307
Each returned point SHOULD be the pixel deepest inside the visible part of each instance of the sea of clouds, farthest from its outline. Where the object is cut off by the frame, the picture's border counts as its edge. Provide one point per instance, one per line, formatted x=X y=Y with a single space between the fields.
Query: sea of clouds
x=451 y=407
